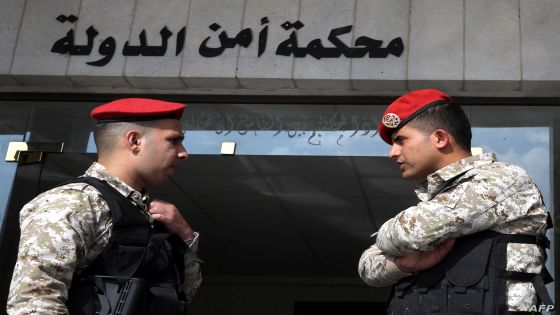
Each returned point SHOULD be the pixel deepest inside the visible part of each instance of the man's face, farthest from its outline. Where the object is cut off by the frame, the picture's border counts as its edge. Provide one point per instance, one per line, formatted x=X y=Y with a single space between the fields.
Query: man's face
x=162 y=151
x=414 y=153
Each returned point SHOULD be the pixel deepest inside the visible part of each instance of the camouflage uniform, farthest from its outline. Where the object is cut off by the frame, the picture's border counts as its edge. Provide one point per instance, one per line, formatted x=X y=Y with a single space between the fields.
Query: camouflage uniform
x=62 y=231
x=489 y=195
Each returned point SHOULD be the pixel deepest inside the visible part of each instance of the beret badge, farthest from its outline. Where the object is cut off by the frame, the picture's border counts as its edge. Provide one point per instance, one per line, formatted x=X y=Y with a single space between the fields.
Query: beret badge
x=391 y=120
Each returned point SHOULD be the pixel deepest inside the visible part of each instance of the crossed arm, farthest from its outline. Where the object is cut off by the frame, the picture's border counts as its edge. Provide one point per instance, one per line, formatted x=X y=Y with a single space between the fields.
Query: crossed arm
x=421 y=236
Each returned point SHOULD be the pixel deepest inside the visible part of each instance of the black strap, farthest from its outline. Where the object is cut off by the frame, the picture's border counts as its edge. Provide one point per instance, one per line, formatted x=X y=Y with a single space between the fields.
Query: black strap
x=538 y=280
x=540 y=239
x=549 y=223
x=547 y=278
x=452 y=181
x=106 y=190
x=538 y=283
x=517 y=275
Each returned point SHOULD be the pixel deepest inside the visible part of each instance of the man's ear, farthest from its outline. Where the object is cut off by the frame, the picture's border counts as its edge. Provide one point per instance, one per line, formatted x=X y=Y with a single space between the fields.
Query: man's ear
x=133 y=140
x=440 y=138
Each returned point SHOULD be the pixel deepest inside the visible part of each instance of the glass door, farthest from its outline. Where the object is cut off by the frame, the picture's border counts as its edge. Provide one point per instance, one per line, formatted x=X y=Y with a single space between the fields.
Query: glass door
x=284 y=219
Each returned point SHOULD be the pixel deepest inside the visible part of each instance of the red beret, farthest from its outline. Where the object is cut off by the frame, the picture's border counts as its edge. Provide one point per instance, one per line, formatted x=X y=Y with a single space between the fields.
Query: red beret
x=406 y=107
x=137 y=109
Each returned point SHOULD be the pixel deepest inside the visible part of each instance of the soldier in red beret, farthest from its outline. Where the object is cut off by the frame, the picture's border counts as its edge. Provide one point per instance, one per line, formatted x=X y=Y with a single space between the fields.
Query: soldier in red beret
x=475 y=242
x=99 y=244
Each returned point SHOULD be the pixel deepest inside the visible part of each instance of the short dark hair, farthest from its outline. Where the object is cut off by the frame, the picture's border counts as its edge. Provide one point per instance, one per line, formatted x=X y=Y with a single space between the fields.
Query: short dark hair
x=106 y=135
x=449 y=117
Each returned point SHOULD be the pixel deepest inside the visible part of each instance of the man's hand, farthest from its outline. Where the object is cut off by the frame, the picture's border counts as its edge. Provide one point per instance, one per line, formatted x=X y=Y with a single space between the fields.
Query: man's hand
x=418 y=261
x=171 y=218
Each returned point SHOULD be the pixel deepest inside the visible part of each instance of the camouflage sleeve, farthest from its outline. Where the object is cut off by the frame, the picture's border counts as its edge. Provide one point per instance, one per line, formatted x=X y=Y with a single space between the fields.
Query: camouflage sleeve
x=473 y=205
x=378 y=270
x=193 y=276
x=51 y=242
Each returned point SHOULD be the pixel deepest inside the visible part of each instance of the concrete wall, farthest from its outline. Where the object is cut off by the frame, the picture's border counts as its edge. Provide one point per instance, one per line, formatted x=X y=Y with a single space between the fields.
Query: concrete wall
x=472 y=48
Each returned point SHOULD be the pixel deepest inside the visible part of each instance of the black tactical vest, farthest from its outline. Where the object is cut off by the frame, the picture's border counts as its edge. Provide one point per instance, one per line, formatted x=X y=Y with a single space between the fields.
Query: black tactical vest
x=139 y=272
x=470 y=280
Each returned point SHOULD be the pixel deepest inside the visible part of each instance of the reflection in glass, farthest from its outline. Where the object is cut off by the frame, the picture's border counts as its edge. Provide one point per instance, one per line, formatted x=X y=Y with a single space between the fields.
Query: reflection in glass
x=310 y=142
x=90 y=146
x=528 y=147
x=7 y=173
